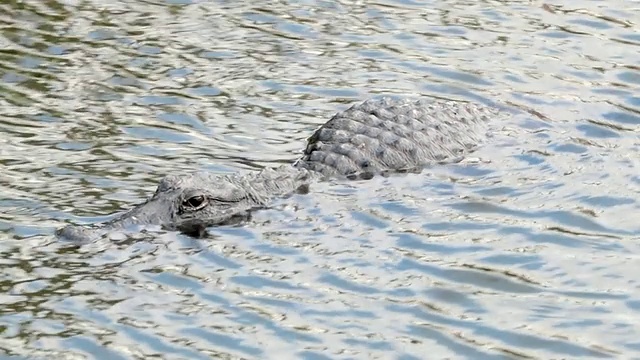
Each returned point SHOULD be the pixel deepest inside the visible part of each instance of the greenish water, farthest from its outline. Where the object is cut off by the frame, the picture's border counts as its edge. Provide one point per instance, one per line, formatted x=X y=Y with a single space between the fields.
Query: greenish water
x=526 y=250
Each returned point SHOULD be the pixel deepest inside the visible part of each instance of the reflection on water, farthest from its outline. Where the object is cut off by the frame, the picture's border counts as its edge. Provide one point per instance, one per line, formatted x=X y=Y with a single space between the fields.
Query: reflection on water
x=526 y=250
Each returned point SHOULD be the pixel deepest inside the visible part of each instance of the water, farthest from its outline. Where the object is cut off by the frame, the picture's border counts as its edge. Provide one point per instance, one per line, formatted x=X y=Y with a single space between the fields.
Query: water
x=529 y=249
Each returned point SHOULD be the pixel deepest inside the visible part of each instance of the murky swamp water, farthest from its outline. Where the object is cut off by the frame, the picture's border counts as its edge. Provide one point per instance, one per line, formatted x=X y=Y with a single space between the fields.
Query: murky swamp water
x=530 y=249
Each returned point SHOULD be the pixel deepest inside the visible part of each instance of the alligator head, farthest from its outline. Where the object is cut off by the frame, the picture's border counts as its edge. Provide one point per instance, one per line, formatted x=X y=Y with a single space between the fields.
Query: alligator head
x=192 y=202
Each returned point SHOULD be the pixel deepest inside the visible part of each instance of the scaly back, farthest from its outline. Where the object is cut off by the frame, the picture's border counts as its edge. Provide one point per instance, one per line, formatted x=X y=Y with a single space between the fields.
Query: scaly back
x=388 y=134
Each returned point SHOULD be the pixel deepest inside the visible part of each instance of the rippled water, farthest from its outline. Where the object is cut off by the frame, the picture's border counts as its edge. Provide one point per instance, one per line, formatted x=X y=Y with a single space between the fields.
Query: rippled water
x=526 y=250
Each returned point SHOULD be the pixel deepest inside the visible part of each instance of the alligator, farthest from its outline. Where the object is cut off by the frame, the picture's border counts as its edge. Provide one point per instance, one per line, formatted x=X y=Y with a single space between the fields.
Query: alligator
x=374 y=137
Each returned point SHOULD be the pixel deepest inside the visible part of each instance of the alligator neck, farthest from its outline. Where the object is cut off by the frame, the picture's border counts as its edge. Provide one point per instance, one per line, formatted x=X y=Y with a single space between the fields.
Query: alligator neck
x=284 y=180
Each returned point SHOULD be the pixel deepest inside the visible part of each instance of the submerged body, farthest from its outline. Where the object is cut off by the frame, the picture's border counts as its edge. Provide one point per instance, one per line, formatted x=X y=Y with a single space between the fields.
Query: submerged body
x=369 y=138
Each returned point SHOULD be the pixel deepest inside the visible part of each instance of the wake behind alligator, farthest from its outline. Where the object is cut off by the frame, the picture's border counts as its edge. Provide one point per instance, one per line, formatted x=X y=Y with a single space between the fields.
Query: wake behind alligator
x=369 y=138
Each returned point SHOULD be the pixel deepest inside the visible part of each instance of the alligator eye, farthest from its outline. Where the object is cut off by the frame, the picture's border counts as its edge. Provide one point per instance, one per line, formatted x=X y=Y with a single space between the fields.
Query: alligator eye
x=194 y=202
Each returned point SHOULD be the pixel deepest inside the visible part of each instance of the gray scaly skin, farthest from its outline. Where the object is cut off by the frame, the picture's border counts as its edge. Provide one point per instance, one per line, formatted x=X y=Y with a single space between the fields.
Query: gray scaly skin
x=372 y=137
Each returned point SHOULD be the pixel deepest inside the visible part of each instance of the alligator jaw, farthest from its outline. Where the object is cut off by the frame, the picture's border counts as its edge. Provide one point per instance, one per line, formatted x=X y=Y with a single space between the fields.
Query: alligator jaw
x=154 y=211
x=78 y=233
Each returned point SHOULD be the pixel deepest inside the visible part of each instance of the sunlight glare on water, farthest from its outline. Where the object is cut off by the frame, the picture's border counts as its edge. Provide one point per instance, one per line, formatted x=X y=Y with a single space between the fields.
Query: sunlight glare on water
x=527 y=249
